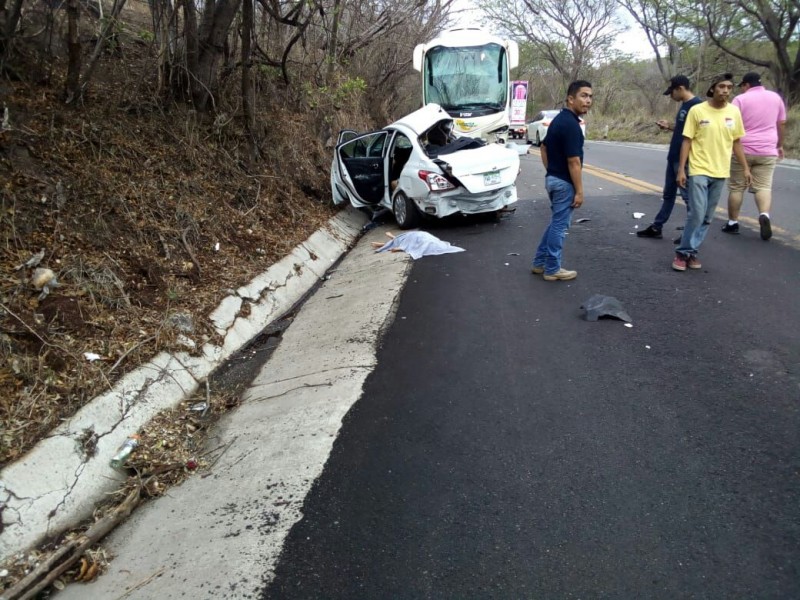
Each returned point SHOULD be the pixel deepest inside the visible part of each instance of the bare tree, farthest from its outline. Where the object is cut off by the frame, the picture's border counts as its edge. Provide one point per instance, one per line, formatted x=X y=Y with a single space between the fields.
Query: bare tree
x=72 y=90
x=661 y=23
x=248 y=91
x=570 y=35
x=743 y=28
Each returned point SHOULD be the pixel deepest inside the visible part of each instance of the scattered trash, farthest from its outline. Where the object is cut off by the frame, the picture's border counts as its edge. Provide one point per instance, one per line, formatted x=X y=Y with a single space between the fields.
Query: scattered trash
x=638 y=215
x=124 y=451
x=191 y=464
x=32 y=262
x=91 y=356
x=200 y=407
x=628 y=325
x=506 y=264
x=416 y=244
x=583 y=220
x=599 y=306
x=513 y=254
x=648 y=347
x=216 y=247
x=44 y=279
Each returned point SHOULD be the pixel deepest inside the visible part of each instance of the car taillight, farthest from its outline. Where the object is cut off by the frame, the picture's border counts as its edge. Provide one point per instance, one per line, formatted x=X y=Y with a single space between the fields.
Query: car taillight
x=436 y=182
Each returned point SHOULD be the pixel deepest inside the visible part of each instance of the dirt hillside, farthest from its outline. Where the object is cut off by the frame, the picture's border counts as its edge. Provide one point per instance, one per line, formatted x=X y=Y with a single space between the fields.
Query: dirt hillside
x=139 y=218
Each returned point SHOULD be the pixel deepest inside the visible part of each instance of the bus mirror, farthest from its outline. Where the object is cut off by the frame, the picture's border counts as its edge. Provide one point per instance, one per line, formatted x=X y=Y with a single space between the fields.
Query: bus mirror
x=513 y=54
x=418 y=50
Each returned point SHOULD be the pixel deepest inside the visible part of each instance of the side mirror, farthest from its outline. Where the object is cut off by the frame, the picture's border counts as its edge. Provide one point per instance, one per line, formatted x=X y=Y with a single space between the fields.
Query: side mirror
x=419 y=50
x=513 y=54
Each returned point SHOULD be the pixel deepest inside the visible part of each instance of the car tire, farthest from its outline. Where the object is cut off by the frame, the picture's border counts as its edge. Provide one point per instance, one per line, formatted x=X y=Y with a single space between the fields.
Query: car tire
x=538 y=141
x=405 y=212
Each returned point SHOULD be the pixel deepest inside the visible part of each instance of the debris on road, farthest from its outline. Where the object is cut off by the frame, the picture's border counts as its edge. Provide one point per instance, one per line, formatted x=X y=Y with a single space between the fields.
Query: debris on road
x=638 y=215
x=583 y=220
x=599 y=306
x=124 y=451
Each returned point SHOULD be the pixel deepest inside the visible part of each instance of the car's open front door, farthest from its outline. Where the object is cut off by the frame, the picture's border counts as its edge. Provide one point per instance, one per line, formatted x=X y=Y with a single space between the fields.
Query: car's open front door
x=362 y=167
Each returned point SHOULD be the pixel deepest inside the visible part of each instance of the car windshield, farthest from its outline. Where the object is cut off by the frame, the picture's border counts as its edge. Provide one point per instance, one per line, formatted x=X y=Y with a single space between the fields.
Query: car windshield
x=472 y=78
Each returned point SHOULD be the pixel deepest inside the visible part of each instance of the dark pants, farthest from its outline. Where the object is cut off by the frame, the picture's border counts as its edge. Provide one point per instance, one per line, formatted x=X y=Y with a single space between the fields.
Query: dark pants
x=670 y=192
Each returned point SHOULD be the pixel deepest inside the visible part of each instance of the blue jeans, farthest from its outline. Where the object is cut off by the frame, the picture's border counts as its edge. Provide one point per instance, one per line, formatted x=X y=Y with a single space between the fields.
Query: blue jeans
x=669 y=194
x=704 y=193
x=548 y=254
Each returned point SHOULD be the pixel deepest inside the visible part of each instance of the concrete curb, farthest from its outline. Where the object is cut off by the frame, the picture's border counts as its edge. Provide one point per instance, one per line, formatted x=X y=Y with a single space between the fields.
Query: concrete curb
x=58 y=483
x=219 y=535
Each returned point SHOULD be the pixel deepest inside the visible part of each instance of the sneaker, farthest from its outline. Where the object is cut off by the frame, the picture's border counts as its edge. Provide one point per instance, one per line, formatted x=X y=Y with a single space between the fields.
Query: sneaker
x=694 y=263
x=537 y=270
x=728 y=228
x=766 y=227
x=561 y=275
x=650 y=232
x=679 y=264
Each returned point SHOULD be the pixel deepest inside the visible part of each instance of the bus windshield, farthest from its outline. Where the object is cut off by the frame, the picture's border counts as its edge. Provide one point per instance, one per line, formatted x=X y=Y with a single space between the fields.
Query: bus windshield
x=467 y=79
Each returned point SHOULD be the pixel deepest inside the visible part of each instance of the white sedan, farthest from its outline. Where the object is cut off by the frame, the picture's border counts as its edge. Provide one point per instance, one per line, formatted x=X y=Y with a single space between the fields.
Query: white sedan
x=537 y=129
x=417 y=167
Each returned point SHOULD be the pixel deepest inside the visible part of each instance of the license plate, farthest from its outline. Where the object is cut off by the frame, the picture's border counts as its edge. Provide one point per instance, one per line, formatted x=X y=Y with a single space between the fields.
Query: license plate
x=491 y=178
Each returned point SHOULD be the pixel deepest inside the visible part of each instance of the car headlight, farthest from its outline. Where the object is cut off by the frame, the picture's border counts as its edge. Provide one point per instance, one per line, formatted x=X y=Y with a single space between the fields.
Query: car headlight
x=436 y=182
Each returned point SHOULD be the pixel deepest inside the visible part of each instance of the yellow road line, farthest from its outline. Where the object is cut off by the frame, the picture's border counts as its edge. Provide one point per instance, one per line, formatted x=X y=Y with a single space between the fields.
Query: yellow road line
x=629 y=182
x=637 y=185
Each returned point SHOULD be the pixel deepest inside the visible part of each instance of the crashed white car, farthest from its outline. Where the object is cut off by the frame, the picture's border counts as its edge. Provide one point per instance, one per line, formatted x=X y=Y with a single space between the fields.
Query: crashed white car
x=416 y=167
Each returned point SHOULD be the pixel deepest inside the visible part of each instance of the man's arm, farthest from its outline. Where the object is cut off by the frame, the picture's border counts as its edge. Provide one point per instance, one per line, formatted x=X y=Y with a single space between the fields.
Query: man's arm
x=685 y=147
x=575 y=171
x=781 y=134
x=543 y=154
x=738 y=152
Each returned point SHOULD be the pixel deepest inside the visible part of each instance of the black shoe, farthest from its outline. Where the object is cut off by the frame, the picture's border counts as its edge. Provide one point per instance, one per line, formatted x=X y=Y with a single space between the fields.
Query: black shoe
x=650 y=232
x=728 y=228
x=677 y=240
x=766 y=227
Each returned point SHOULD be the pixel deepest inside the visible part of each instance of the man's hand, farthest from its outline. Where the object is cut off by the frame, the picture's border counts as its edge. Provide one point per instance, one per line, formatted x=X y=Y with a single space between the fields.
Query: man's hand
x=780 y=153
x=662 y=124
x=681 y=178
x=576 y=203
x=748 y=178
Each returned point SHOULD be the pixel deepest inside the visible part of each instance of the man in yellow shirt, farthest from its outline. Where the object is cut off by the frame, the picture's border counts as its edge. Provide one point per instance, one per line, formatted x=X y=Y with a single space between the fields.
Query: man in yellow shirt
x=713 y=129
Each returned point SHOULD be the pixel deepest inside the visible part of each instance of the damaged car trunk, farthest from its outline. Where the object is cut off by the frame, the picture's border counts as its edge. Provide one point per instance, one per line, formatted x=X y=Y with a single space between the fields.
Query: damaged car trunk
x=416 y=167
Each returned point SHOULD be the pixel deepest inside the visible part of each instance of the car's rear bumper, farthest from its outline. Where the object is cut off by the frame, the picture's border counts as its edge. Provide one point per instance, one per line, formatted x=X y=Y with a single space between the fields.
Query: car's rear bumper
x=443 y=204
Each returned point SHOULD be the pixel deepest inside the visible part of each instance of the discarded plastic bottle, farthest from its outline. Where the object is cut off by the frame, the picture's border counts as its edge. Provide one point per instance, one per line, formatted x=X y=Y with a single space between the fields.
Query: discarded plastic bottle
x=124 y=451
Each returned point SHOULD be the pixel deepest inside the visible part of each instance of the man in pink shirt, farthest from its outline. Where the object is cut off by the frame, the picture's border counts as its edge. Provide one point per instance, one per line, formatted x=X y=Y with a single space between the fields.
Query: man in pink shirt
x=764 y=117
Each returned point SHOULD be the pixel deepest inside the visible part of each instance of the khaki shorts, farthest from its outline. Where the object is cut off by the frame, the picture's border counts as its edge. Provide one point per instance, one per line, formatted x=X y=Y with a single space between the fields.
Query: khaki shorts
x=761 y=170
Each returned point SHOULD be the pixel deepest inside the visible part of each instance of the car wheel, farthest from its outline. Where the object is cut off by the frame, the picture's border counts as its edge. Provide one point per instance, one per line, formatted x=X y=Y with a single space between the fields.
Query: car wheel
x=538 y=140
x=405 y=212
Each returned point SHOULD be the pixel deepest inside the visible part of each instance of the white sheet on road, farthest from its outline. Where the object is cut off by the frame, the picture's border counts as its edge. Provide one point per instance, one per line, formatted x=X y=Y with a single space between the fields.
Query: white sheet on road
x=418 y=244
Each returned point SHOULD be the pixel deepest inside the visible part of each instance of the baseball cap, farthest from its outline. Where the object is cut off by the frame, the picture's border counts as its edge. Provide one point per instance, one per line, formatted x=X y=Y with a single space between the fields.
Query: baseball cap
x=716 y=80
x=751 y=78
x=676 y=81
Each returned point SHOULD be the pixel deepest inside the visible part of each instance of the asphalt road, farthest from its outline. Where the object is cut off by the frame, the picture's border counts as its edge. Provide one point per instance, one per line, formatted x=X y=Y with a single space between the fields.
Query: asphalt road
x=506 y=448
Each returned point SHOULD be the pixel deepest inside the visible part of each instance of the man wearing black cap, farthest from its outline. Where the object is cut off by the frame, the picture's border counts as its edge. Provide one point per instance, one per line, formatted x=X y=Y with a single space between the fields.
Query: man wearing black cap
x=680 y=90
x=712 y=131
x=764 y=117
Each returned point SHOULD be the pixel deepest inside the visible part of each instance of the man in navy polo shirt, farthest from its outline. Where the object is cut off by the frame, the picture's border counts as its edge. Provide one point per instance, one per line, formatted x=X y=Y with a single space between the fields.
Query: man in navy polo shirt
x=562 y=156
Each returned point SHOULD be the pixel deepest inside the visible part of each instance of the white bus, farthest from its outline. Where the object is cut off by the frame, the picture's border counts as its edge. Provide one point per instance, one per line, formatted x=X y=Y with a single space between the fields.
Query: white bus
x=468 y=73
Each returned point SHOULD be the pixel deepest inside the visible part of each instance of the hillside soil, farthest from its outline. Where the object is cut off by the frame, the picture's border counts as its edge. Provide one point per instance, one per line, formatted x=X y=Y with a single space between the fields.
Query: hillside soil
x=139 y=220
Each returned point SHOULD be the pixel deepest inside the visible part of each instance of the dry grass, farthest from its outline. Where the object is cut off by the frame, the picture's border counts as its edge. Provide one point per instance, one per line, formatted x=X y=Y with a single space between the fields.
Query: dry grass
x=638 y=126
x=129 y=205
